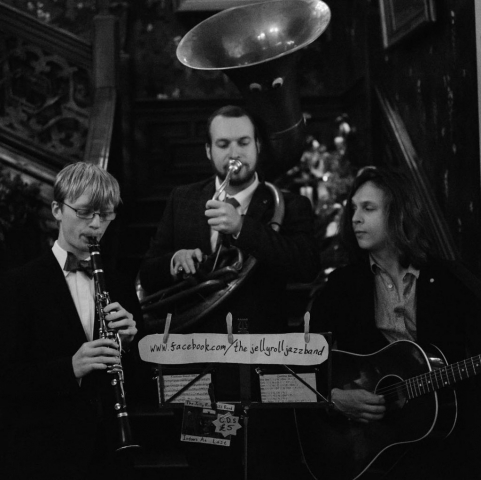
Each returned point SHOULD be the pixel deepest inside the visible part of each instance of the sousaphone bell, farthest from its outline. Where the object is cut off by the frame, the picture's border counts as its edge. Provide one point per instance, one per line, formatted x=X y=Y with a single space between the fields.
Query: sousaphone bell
x=256 y=46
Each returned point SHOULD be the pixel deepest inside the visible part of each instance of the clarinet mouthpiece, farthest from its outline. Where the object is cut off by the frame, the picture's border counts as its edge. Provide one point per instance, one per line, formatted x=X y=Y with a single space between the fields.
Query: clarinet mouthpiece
x=93 y=241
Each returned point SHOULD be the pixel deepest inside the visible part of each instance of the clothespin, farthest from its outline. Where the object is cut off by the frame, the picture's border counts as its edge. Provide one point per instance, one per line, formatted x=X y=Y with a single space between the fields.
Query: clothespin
x=167 y=327
x=307 y=317
x=228 y=320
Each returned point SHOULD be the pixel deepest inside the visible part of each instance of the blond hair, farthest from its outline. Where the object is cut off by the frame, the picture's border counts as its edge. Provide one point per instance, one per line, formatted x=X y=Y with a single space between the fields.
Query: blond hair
x=79 y=178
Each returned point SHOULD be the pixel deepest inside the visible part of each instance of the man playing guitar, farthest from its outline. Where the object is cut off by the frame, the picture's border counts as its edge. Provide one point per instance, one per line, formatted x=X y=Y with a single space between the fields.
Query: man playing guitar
x=394 y=291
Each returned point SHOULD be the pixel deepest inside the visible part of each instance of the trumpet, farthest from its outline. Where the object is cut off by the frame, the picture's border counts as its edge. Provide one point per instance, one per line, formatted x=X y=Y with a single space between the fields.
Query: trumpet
x=102 y=299
x=234 y=166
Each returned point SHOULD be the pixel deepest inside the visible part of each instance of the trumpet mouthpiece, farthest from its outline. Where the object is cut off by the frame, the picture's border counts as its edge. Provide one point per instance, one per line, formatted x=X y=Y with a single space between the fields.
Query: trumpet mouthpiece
x=235 y=165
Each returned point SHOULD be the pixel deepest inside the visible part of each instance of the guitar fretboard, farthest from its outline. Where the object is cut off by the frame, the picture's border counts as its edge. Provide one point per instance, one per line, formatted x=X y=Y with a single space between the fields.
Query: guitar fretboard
x=443 y=377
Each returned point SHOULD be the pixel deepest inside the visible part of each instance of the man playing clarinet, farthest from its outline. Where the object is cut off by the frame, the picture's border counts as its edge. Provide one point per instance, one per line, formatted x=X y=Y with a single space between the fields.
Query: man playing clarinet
x=55 y=390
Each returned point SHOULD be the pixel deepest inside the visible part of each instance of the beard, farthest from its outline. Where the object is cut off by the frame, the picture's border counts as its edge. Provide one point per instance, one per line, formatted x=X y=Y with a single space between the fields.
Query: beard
x=237 y=181
x=244 y=176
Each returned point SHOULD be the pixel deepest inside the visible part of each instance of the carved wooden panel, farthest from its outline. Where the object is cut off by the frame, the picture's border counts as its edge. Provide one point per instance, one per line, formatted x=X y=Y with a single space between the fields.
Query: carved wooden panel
x=44 y=98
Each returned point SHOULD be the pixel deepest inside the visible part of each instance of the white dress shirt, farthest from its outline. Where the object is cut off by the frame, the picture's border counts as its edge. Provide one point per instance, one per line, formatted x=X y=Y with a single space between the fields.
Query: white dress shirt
x=82 y=289
x=244 y=198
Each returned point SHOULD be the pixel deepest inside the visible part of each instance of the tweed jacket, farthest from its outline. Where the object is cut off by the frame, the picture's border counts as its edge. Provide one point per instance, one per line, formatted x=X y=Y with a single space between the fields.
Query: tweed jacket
x=287 y=256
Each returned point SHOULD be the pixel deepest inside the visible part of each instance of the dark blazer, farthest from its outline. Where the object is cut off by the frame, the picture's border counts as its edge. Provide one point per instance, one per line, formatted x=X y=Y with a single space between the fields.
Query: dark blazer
x=290 y=255
x=447 y=314
x=52 y=421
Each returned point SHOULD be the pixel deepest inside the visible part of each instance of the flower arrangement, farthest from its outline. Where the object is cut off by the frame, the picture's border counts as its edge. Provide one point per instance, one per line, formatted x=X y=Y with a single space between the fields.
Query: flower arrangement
x=325 y=177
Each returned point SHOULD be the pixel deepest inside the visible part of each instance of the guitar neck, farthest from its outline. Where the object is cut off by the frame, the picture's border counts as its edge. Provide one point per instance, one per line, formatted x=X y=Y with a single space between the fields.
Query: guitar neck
x=443 y=377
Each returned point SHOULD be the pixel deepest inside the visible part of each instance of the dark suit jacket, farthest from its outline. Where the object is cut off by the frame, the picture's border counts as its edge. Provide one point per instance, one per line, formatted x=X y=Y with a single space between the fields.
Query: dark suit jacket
x=448 y=315
x=290 y=255
x=52 y=421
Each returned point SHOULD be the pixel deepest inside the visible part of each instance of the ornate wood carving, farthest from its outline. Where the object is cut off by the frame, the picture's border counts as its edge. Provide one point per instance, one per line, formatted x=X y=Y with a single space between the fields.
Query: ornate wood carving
x=44 y=98
x=57 y=41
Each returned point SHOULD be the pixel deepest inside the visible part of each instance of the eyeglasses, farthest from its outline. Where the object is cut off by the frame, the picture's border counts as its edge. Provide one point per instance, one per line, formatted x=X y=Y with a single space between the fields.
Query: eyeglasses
x=87 y=214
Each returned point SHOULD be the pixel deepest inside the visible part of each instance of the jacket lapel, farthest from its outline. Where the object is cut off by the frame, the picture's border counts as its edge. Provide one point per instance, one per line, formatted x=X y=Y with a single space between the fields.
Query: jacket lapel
x=261 y=203
x=369 y=336
x=424 y=301
x=57 y=297
x=201 y=226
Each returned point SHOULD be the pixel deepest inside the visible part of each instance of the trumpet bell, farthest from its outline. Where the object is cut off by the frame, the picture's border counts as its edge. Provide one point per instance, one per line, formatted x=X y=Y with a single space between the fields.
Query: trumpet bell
x=255 y=46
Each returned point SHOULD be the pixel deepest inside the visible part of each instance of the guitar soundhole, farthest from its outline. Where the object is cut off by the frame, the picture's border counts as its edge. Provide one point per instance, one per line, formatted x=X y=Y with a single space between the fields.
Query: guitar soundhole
x=391 y=386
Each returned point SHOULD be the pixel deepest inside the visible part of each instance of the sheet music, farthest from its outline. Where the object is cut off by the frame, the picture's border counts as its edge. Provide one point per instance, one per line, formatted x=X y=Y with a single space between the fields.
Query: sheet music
x=280 y=388
x=198 y=392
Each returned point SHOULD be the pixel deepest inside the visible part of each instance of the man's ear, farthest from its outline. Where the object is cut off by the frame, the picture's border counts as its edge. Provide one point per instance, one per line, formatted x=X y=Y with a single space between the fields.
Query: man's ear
x=56 y=210
x=208 y=151
x=258 y=146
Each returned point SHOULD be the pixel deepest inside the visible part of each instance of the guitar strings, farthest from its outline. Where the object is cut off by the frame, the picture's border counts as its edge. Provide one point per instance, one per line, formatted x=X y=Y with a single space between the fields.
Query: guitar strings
x=432 y=380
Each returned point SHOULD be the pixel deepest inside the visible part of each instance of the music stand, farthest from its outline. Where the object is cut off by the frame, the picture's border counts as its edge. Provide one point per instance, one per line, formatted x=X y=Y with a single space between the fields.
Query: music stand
x=246 y=401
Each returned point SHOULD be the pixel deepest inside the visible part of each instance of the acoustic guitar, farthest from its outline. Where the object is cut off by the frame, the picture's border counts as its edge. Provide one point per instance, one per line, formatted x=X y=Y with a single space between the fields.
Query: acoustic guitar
x=419 y=406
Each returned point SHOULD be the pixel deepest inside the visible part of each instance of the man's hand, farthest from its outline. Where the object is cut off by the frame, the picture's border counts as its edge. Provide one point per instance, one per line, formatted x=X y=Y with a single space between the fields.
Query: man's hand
x=119 y=319
x=359 y=405
x=95 y=355
x=187 y=260
x=223 y=217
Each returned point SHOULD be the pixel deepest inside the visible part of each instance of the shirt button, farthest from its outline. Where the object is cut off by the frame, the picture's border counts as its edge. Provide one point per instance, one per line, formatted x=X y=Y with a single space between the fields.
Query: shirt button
x=389 y=285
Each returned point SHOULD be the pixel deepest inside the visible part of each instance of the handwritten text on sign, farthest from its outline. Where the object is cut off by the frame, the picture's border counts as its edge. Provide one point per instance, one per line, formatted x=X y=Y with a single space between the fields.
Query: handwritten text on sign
x=289 y=348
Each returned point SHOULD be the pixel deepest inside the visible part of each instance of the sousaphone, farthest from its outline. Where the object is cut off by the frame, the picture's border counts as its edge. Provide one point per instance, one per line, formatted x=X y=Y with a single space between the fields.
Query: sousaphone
x=256 y=46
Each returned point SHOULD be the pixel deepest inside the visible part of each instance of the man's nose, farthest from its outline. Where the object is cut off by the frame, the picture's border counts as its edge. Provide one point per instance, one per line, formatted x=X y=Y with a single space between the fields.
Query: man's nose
x=356 y=217
x=95 y=222
x=233 y=151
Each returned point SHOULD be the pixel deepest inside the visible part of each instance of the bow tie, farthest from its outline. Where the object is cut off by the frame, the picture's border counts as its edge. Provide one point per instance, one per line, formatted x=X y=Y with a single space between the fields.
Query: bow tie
x=73 y=264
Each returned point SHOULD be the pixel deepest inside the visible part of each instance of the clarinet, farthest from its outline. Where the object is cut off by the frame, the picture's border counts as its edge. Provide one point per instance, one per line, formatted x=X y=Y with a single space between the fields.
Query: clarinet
x=102 y=299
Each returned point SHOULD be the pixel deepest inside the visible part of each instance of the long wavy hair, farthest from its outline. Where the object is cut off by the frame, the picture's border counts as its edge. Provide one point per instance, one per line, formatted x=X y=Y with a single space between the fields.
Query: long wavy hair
x=407 y=218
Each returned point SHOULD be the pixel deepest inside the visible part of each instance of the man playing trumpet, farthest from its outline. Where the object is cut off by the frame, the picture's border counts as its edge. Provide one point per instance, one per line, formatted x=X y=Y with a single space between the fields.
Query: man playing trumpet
x=196 y=214
x=189 y=231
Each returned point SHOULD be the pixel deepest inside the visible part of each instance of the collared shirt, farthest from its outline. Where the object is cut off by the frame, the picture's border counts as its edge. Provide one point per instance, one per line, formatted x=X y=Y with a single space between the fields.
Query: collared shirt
x=244 y=198
x=395 y=311
x=82 y=289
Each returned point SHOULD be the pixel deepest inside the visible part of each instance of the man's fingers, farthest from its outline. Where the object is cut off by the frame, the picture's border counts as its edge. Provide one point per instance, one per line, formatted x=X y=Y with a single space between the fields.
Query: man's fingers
x=101 y=342
x=186 y=260
x=198 y=255
x=106 y=360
